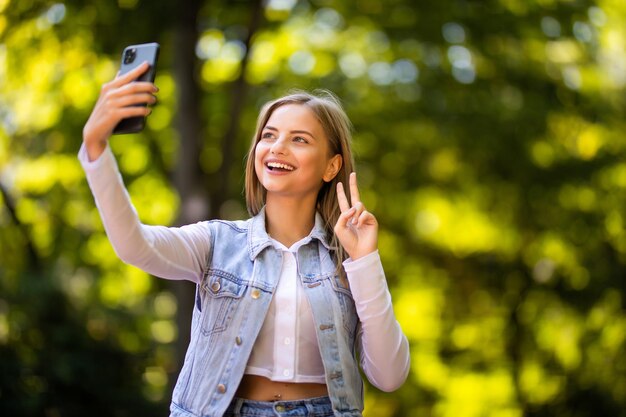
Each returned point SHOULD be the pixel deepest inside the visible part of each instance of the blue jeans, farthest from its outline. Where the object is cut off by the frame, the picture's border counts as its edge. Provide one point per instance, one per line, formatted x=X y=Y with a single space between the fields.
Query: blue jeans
x=311 y=407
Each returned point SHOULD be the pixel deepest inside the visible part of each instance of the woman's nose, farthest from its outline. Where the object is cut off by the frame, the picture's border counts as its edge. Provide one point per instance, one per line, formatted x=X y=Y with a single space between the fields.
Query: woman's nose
x=279 y=146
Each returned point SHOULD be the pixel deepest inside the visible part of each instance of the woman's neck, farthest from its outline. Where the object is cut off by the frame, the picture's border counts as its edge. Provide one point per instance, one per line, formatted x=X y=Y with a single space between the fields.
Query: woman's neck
x=289 y=220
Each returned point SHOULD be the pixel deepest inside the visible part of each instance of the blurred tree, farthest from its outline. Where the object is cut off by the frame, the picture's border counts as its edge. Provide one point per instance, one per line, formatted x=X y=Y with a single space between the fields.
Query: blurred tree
x=488 y=138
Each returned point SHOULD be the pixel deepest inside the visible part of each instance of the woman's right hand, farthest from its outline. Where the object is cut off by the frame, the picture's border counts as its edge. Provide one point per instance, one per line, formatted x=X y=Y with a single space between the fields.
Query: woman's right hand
x=117 y=101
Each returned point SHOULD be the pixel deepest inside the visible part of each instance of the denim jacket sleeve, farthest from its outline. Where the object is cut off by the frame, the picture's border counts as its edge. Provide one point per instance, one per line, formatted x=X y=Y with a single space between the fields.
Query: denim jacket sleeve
x=167 y=252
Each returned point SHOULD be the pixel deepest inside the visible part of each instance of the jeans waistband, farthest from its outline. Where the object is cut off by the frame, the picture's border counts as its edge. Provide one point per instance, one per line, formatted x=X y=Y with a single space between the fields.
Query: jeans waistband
x=310 y=407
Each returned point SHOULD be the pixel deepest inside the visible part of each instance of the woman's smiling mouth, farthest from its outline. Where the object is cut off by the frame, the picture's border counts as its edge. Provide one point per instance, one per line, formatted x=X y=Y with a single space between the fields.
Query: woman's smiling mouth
x=279 y=166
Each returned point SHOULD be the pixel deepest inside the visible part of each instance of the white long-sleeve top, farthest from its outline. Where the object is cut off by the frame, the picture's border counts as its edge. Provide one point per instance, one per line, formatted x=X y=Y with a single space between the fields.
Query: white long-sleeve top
x=286 y=348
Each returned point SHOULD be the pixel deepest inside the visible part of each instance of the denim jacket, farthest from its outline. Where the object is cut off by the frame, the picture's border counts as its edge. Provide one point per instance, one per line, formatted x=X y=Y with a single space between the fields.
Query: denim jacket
x=232 y=300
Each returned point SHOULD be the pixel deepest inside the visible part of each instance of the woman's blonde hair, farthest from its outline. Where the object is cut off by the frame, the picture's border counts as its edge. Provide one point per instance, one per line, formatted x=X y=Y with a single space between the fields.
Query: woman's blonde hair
x=338 y=129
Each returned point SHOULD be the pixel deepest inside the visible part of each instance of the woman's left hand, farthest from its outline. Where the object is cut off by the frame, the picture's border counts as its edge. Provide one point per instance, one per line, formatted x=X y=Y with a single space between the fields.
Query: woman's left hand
x=356 y=228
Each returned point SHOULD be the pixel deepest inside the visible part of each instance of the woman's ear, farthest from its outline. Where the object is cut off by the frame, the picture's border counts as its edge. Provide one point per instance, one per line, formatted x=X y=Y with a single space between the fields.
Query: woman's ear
x=332 y=168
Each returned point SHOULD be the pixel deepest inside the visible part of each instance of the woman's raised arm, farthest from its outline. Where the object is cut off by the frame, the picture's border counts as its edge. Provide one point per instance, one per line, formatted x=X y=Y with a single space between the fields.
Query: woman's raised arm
x=167 y=252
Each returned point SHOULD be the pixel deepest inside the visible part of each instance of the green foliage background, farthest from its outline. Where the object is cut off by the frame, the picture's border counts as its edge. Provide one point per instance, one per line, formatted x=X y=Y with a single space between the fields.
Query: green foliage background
x=490 y=145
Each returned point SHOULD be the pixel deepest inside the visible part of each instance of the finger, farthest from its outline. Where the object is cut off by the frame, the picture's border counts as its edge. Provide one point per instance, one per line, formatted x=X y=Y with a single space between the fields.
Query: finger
x=361 y=219
x=358 y=209
x=366 y=218
x=342 y=199
x=344 y=218
x=128 y=90
x=133 y=111
x=354 y=189
x=131 y=75
x=135 y=87
x=133 y=99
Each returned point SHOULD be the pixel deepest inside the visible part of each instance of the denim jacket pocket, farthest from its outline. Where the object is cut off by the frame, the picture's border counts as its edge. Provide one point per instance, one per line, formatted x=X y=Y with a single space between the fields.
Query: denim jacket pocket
x=221 y=292
x=348 y=309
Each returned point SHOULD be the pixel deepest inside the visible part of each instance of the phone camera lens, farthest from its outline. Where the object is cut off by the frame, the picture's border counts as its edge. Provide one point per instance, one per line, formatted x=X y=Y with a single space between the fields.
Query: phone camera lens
x=130 y=55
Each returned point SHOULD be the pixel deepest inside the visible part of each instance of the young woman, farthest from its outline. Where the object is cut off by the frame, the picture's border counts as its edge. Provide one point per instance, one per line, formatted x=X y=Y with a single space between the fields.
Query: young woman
x=286 y=299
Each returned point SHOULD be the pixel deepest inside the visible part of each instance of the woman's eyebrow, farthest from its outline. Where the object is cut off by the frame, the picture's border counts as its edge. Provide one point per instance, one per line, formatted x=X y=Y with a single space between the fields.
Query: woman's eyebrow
x=303 y=132
x=306 y=132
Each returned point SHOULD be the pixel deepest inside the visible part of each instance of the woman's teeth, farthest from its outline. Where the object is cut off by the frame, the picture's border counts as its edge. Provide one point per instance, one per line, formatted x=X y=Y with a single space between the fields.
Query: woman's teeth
x=277 y=165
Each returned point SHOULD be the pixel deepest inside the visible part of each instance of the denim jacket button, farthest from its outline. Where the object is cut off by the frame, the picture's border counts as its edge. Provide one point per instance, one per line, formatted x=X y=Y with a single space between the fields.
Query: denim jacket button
x=238 y=340
x=221 y=388
x=255 y=293
x=215 y=286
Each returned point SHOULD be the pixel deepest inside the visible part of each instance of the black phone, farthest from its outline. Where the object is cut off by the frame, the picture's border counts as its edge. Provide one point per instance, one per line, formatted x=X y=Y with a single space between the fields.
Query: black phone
x=132 y=57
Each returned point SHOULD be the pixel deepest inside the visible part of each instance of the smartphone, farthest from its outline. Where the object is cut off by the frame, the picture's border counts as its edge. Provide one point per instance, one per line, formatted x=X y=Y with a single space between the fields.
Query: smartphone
x=132 y=57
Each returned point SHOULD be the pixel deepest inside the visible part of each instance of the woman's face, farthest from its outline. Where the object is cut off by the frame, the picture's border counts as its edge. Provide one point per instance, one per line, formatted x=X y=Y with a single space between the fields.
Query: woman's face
x=292 y=157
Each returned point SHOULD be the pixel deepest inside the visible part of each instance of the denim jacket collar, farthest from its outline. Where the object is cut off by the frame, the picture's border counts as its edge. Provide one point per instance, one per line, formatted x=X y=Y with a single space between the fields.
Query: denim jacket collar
x=258 y=239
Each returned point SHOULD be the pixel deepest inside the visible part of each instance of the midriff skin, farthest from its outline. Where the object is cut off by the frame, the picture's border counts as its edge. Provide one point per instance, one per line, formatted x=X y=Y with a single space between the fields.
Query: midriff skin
x=258 y=388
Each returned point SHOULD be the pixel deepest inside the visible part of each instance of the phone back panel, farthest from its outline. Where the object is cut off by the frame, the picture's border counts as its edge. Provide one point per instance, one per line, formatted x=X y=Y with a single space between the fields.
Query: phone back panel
x=140 y=53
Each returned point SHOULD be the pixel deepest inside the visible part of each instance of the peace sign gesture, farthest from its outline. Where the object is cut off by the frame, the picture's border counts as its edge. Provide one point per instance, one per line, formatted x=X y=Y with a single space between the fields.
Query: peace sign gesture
x=356 y=228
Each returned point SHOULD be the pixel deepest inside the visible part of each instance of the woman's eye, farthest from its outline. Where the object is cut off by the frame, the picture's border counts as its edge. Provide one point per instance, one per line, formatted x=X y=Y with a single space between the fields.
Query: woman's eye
x=300 y=139
x=267 y=135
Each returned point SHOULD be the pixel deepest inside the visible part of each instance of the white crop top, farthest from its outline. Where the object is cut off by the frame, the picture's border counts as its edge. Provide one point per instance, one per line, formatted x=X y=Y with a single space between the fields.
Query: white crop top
x=286 y=348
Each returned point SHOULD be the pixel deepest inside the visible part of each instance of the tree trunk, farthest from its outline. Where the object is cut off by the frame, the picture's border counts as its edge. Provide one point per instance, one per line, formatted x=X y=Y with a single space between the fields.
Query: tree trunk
x=188 y=178
x=238 y=99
